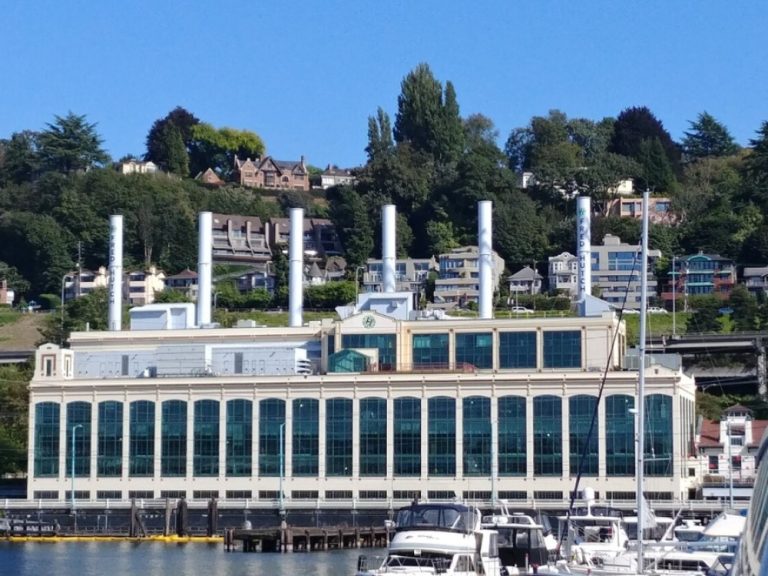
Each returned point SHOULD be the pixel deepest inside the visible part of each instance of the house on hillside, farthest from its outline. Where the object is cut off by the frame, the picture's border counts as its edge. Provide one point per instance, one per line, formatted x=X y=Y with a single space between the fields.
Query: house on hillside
x=335 y=176
x=700 y=274
x=525 y=281
x=137 y=167
x=240 y=239
x=266 y=172
x=210 y=178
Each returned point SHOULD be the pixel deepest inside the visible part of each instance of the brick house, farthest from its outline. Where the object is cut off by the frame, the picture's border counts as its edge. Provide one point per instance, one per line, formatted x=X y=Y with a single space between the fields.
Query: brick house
x=269 y=173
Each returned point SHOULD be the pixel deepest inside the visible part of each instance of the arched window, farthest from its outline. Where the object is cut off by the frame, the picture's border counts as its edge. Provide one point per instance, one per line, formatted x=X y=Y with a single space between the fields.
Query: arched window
x=338 y=437
x=373 y=437
x=620 y=435
x=79 y=426
x=239 y=437
x=584 y=453
x=47 y=415
x=407 y=430
x=271 y=436
x=306 y=436
x=477 y=436
x=110 y=439
x=658 y=435
x=547 y=436
x=442 y=436
x=141 y=459
x=173 y=454
x=206 y=438
x=512 y=436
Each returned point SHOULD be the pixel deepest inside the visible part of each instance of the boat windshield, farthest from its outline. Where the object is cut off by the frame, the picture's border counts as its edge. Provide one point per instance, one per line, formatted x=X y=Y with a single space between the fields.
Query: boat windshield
x=441 y=517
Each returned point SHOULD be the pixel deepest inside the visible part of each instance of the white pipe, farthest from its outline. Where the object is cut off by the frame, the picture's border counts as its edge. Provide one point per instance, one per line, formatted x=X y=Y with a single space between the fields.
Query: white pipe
x=115 y=316
x=584 y=247
x=204 y=268
x=296 y=268
x=485 y=247
x=388 y=247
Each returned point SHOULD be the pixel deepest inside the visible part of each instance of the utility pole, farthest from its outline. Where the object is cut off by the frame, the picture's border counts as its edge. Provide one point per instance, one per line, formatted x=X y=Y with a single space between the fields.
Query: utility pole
x=674 y=297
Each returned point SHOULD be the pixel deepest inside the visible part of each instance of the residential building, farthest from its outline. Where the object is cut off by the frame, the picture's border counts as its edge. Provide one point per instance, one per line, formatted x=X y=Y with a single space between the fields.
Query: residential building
x=320 y=238
x=726 y=451
x=659 y=209
x=269 y=173
x=525 y=281
x=563 y=271
x=240 y=239
x=372 y=412
x=700 y=274
x=410 y=274
x=137 y=167
x=616 y=272
x=210 y=178
x=184 y=282
x=335 y=176
x=139 y=286
x=756 y=279
x=458 y=281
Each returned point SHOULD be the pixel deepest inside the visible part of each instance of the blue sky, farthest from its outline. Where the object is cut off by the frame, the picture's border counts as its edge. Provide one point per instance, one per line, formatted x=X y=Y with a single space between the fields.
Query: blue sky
x=307 y=75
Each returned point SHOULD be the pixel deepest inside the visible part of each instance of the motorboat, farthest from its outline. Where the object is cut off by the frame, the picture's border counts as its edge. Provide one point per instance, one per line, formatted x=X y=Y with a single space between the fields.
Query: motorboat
x=437 y=538
x=524 y=545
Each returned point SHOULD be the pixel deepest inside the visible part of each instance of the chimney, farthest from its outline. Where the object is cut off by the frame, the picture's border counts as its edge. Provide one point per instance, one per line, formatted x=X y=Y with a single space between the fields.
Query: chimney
x=485 y=249
x=296 y=268
x=584 y=247
x=115 y=315
x=204 y=268
x=388 y=247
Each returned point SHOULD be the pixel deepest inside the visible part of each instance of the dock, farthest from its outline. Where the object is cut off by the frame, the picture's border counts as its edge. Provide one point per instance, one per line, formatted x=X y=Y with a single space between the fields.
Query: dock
x=298 y=539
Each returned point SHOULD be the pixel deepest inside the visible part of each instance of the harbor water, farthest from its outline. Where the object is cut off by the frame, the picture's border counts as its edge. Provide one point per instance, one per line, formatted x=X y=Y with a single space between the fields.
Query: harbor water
x=158 y=559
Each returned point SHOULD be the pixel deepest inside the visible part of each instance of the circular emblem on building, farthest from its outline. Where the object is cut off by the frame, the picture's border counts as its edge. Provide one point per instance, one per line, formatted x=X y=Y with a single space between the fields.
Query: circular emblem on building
x=369 y=321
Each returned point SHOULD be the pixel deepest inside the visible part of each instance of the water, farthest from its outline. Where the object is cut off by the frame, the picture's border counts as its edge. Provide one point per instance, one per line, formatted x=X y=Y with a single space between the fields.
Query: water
x=160 y=559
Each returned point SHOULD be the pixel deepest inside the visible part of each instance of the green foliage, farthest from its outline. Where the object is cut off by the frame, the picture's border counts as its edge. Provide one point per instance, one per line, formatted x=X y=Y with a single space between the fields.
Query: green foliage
x=350 y=215
x=70 y=144
x=217 y=147
x=162 y=141
x=14 y=399
x=706 y=315
x=745 y=309
x=171 y=296
x=19 y=161
x=708 y=137
x=637 y=125
x=329 y=295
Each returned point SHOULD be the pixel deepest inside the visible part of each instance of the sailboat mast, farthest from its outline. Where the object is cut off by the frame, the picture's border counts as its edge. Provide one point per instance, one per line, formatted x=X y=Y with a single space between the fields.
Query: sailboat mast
x=641 y=512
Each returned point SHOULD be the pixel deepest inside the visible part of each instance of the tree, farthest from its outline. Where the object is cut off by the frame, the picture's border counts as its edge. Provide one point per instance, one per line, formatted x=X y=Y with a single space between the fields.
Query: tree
x=380 y=144
x=708 y=137
x=350 y=216
x=162 y=147
x=16 y=281
x=70 y=144
x=657 y=173
x=176 y=156
x=745 y=309
x=20 y=161
x=217 y=147
x=636 y=125
x=705 y=317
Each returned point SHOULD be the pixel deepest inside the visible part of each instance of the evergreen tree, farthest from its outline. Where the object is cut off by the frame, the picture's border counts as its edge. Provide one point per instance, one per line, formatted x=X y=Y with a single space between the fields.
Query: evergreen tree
x=708 y=137
x=657 y=173
x=636 y=125
x=160 y=146
x=177 y=158
x=70 y=144
x=745 y=311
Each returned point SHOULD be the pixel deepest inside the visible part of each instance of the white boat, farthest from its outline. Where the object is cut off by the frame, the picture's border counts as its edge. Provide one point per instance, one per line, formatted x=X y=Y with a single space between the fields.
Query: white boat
x=437 y=539
x=752 y=555
x=524 y=545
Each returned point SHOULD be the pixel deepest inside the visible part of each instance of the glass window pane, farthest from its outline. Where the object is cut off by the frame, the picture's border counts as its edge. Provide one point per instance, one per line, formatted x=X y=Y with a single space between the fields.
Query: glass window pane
x=442 y=436
x=477 y=436
x=338 y=437
x=239 y=437
x=407 y=430
x=373 y=437
x=79 y=425
x=141 y=458
x=512 y=436
x=430 y=351
x=271 y=436
x=110 y=439
x=584 y=452
x=562 y=349
x=547 y=436
x=658 y=435
x=620 y=435
x=206 y=438
x=306 y=436
x=517 y=350
x=475 y=350
x=173 y=449
x=47 y=415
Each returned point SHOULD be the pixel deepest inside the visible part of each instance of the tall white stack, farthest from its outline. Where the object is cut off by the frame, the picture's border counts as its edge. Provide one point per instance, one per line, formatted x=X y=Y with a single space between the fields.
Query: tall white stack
x=115 y=310
x=584 y=247
x=388 y=247
x=204 y=268
x=485 y=247
x=296 y=268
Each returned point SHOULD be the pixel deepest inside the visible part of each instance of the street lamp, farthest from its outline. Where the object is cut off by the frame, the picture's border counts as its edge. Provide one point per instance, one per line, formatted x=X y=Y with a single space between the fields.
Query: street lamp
x=282 y=467
x=72 y=469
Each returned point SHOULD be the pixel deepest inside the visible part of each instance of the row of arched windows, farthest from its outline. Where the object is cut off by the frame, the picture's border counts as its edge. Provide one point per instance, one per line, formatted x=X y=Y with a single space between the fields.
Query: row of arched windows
x=303 y=430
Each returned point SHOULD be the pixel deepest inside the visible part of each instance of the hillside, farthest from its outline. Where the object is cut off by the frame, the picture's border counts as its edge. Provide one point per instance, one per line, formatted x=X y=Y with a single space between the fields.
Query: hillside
x=20 y=331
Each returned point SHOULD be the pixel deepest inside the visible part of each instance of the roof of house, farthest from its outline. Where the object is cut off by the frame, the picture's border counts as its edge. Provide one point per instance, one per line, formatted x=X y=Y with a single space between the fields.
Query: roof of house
x=710 y=433
x=527 y=273
x=183 y=275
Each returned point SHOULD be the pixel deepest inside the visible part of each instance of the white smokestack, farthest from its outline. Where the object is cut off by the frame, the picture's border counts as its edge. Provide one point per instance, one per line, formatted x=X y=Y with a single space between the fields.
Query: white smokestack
x=204 y=268
x=115 y=316
x=584 y=247
x=485 y=248
x=296 y=268
x=388 y=247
